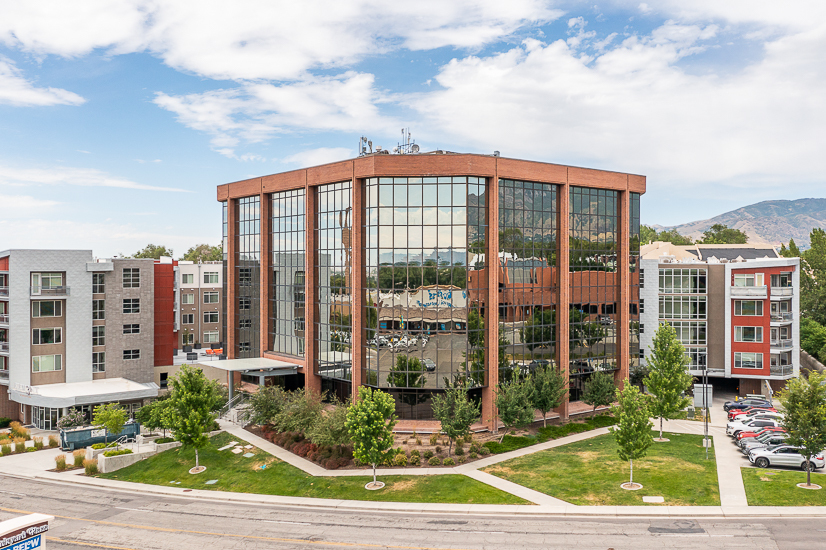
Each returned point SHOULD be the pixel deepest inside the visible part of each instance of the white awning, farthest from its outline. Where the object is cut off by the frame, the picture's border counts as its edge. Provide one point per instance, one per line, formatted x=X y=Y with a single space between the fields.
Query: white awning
x=92 y=392
x=274 y=366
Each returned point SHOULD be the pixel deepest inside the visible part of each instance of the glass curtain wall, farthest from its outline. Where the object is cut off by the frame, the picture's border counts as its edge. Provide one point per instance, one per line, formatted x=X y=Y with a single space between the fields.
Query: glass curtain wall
x=287 y=310
x=594 y=290
x=247 y=277
x=334 y=253
x=416 y=295
x=225 y=279
x=528 y=277
x=634 y=283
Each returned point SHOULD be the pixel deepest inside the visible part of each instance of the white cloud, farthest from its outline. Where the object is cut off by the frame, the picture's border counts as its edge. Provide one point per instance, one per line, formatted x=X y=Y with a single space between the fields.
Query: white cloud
x=16 y=90
x=255 y=112
x=85 y=177
x=261 y=39
x=21 y=206
x=315 y=157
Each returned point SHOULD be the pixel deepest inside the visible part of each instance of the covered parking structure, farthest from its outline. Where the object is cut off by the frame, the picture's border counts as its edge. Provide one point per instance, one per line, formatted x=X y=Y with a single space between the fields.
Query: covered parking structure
x=260 y=368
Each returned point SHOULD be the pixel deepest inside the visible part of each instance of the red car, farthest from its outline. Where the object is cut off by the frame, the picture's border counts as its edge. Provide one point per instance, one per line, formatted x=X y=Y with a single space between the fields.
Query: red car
x=767 y=429
x=749 y=412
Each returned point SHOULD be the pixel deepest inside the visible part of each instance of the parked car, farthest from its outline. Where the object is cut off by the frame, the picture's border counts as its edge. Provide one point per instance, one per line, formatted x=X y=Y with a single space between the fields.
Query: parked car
x=744 y=403
x=734 y=413
x=757 y=414
x=429 y=365
x=761 y=431
x=734 y=428
x=768 y=441
x=784 y=455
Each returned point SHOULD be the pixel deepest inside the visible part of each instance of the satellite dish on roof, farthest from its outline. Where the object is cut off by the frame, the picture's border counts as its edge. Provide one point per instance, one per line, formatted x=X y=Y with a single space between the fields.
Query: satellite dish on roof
x=414 y=148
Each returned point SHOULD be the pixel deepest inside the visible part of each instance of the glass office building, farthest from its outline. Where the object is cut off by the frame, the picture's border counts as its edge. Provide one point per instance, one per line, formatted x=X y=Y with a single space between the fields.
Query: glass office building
x=412 y=272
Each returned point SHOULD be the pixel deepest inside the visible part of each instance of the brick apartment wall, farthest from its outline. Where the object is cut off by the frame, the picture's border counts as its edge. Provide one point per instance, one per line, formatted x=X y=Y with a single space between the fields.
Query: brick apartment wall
x=164 y=313
x=137 y=370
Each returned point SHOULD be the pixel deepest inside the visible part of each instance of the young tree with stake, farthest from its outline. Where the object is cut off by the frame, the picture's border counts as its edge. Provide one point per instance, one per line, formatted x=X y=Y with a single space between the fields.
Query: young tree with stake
x=455 y=411
x=547 y=389
x=189 y=413
x=370 y=422
x=804 y=403
x=668 y=377
x=633 y=430
x=599 y=390
x=513 y=401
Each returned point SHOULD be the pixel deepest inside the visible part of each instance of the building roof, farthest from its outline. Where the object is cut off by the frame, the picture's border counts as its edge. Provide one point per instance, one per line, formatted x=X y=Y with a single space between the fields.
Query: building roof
x=703 y=252
x=71 y=394
x=251 y=364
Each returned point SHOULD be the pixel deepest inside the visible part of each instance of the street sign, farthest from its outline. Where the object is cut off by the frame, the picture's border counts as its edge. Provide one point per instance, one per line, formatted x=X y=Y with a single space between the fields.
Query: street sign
x=25 y=532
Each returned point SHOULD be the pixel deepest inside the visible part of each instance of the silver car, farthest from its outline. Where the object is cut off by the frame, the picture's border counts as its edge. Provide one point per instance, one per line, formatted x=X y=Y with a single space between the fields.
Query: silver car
x=763 y=442
x=784 y=455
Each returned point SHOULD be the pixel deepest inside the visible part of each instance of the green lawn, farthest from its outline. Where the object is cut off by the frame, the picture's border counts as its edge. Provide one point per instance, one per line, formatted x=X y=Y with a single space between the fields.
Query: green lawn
x=511 y=442
x=245 y=475
x=589 y=472
x=766 y=487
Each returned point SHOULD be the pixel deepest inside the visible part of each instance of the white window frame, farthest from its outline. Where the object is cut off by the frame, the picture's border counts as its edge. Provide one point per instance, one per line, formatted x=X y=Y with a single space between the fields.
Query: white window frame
x=100 y=339
x=739 y=334
x=131 y=354
x=188 y=299
x=131 y=277
x=132 y=328
x=98 y=287
x=749 y=355
x=187 y=318
x=36 y=336
x=208 y=315
x=98 y=361
x=58 y=304
x=208 y=297
x=57 y=363
x=134 y=308
x=99 y=314
x=210 y=277
x=187 y=279
x=211 y=337
x=738 y=308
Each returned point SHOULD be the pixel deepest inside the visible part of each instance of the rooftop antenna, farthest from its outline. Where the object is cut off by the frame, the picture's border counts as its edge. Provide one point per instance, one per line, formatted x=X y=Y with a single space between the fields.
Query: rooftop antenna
x=407 y=145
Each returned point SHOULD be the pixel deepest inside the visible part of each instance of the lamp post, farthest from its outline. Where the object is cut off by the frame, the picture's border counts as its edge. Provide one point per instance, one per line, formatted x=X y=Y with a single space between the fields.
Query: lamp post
x=705 y=409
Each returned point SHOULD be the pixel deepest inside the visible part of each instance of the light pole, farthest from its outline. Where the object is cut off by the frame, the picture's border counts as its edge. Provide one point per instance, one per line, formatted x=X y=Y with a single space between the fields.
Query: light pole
x=705 y=408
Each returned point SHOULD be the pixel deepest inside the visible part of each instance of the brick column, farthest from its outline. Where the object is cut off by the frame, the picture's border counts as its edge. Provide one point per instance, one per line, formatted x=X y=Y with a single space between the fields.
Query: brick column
x=563 y=204
x=490 y=416
x=357 y=275
x=623 y=281
x=231 y=297
x=311 y=380
x=264 y=239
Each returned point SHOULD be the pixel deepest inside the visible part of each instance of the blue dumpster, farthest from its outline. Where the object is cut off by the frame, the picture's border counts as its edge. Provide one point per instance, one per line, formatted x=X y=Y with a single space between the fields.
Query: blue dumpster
x=77 y=438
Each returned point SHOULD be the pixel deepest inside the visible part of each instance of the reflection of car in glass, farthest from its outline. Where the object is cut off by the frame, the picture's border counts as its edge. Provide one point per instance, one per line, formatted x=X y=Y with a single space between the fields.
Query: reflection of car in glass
x=535 y=365
x=605 y=367
x=581 y=367
x=429 y=365
x=605 y=320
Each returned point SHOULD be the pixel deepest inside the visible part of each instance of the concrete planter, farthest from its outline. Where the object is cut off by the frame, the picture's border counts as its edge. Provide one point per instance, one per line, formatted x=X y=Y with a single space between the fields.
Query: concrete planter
x=108 y=464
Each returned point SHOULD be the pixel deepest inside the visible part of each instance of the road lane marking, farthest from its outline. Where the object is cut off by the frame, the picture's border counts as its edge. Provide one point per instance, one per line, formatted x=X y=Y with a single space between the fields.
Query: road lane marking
x=132 y=509
x=96 y=545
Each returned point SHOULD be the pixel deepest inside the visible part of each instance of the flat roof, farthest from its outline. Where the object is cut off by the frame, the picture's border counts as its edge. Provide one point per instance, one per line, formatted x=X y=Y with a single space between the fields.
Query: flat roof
x=250 y=364
x=71 y=394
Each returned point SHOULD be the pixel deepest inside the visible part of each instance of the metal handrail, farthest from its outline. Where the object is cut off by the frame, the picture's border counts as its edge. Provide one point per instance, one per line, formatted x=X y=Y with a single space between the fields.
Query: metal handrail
x=783 y=343
x=231 y=404
x=49 y=291
x=782 y=316
x=4 y=318
x=4 y=291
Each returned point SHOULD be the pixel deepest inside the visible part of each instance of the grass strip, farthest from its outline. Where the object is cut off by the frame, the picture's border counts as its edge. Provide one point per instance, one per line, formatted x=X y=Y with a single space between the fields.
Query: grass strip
x=769 y=487
x=548 y=433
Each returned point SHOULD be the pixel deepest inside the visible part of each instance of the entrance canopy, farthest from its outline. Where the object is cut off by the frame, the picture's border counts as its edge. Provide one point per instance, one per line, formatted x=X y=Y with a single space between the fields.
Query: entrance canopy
x=255 y=366
x=91 y=392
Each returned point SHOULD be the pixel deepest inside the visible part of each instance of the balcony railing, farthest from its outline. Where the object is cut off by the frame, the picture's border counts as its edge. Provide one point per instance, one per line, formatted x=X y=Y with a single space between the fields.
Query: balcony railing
x=778 y=291
x=4 y=318
x=749 y=291
x=782 y=344
x=4 y=375
x=4 y=346
x=781 y=370
x=50 y=291
x=784 y=316
x=4 y=291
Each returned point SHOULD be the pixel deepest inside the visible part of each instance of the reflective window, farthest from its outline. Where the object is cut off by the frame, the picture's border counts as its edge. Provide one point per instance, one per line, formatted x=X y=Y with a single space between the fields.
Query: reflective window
x=247 y=269
x=289 y=220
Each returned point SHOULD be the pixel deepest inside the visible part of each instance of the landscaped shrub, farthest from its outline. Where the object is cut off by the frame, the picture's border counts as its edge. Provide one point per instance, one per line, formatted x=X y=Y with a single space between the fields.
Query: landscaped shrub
x=162 y=440
x=474 y=447
x=60 y=462
x=30 y=450
x=19 y=445
x=99 y=446
x=71 y=419
x=460 y=441
x=5 y=441
x=484 y=451
x=415 y=460
x=91 y=467
x=38 y=443
x=460 y=451
x=118 y=453
x=400 y=460
x=449 y=462
x=17 y=430
x=53 y=441
x=434 y=438
x=415 y=452
x=428 y=454
x=438 y=450
x=473 y=456
x=434 y=461
x=79 y=455
x=4 y=422
x=461 y=459
x=328 y=428
x=5 y=450
x=419 y=441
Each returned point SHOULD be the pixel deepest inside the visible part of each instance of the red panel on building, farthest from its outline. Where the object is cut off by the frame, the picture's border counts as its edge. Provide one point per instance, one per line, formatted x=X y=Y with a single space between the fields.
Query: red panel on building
x=4 y=264
x=165 y=336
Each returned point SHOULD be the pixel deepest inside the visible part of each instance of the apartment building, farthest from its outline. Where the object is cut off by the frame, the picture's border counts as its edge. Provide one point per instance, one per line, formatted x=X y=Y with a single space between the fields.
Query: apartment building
x=359 y=272
x=200 y=290
x=735 y=309
x=78 y=332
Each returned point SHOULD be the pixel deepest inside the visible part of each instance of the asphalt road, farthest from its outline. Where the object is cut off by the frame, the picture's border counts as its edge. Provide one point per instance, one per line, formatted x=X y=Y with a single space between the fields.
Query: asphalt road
x=94 y=518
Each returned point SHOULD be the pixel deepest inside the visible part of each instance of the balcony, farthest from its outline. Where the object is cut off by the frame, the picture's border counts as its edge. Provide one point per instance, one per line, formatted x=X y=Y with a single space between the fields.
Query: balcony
x=4 y=376
x=782 y=344
x=4 y=291
x=782 y=292
x=4 y=318
x=749 y=292
x=4 y=347
x=782 y=317
x=781 y=370
x=40 y=291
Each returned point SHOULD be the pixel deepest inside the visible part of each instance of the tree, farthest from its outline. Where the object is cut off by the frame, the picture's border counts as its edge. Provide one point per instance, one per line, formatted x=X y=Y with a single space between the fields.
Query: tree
x=408 y=372
x=633 y=430
x=723 y=234
x=155 y=416
x=265 y=404
x=791 y=252
x=513 y=401
x=203 y=253
x=647 y=234
x=72 y=419
x=668 y=378
x=154 y=251
x=111 y=416
x=331 y=427
x=547 y=388
x=637 y=375
x=599 y=389
x=673 y=236
x=190 y=413
x=804 y=403
x=813 y=278
x=455 y=411
x=370 y=422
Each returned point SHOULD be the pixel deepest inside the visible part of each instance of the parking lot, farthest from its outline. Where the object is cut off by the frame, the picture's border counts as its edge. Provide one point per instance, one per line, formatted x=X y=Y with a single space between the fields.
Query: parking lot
x=445 y=350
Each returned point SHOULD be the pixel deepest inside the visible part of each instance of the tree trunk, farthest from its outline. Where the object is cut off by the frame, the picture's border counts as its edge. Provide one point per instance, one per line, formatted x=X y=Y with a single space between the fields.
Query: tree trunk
x=809 y=471
x=632 y=471
x=196 y=458
x=449 y=445
x=544 y=421
x=661 y=427
x=374 y=473
x=503 y=435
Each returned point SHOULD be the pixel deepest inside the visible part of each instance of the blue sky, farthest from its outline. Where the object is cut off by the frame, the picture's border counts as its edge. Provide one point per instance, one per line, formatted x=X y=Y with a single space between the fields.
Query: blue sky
x=118 y=119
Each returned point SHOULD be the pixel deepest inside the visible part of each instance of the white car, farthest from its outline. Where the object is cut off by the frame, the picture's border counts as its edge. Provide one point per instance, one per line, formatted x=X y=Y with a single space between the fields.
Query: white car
x=784 y=455
x=734 y=428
